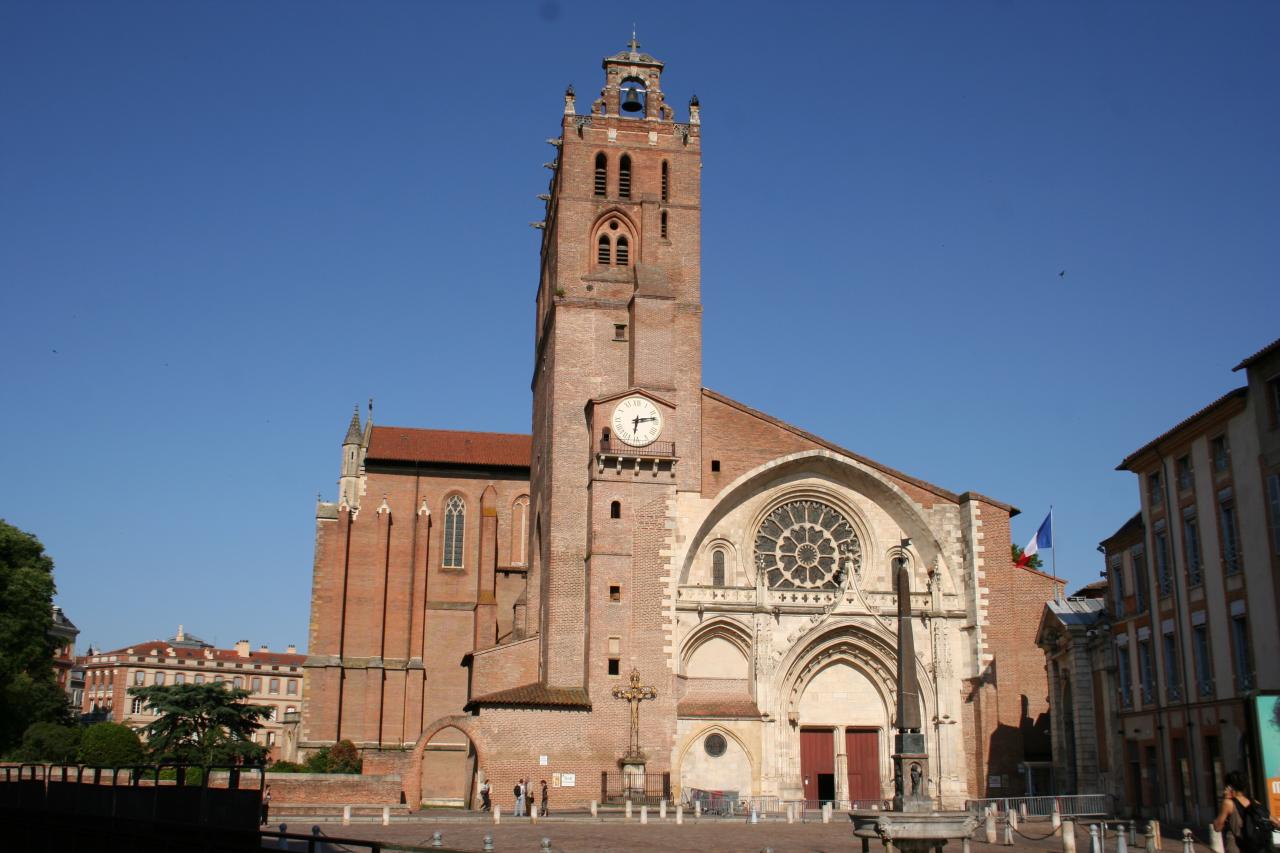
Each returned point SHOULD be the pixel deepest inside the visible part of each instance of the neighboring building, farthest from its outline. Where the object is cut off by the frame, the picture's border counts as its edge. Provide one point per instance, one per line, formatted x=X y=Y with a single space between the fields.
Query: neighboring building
x=1194 y=598
x=478 y=598
x=1075 y=634
x=272 y=678
x=64 y=656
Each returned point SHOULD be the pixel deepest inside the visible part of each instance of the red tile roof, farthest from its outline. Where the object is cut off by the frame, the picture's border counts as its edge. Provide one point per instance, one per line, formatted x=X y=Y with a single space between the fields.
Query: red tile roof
x=402 y=444
x=534 y=696
x=1265 y=351
x=726 y=706
x=160 y=648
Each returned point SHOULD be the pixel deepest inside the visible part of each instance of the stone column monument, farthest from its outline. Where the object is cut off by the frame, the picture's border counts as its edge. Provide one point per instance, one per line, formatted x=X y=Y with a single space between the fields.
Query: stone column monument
x=910 y=758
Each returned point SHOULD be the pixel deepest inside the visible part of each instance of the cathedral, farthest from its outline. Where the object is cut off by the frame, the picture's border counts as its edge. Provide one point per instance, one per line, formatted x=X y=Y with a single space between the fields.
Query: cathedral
x=661 y=587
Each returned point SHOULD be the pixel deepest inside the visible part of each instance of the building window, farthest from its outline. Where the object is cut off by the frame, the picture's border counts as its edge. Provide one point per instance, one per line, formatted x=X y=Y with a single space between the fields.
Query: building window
x=520 y=531
x=1220 y=450
x=1155 y=494
x=615 y=592
x=1230 y=532
x=1162 y=561
x=1125 y=677
x=159 y=679
x=237 y=683
x=1172 y=671
x=715 y=745
x=717 y=568
x=199 y=679
x=1185 y=474
x=619 y=331
x=1146 y=671
x=1273 y=500
x=622 y=256
x=217 y=679
x=255 y=685
x=455 y=522
x=603 y=250
x=291 y=710
x=602 y=174
x=624 y=176
x=1203 y=662
x=139 y=677
x=1243 y=652
x=291 y=687
x=615 y=509
x=613 y=666
x=136 y=706
x=662 y=224
x=1191 y=544
x=666 y=189
x=1117 y=585
x=1138 y=557
x=273 y=686
x=180 y=678
x=271 y=736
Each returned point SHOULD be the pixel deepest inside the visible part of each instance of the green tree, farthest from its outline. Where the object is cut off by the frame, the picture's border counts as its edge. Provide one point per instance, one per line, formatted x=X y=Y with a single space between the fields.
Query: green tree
x=49 y=742
x=342 y=757
x=29 y=692
x=110 y=745
x=1034 y=563
x=202 y=724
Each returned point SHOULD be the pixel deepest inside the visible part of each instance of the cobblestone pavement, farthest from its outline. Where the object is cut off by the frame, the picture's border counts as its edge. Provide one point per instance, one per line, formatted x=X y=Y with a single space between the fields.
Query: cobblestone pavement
x=614 y=835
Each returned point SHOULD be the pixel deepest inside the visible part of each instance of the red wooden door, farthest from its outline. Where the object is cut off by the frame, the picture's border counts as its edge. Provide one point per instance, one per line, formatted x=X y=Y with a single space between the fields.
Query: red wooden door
x=862 y=748
x=817 y=756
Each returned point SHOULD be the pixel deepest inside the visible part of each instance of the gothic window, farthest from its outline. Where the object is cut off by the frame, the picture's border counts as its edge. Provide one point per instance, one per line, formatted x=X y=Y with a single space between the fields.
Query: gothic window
x=615 y=509
x=602 y=174
x=603 y=250
x=663 y=225
x=717 y=568
x=622 y=255
x=455 y=519
x=802 y=544
x=624 y=176
x=666 y=183
x=520 y=531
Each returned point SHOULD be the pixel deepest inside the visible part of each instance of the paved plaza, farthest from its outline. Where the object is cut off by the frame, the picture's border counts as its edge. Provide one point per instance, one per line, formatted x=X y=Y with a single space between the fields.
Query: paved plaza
x=615 y=835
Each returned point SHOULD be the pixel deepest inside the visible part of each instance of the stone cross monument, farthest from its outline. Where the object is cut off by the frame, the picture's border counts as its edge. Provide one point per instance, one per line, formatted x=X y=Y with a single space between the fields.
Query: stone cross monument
x=632 y=763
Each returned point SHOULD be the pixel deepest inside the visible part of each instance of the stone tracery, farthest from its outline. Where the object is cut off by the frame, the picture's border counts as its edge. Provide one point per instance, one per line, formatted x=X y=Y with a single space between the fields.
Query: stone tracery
x=802 y=544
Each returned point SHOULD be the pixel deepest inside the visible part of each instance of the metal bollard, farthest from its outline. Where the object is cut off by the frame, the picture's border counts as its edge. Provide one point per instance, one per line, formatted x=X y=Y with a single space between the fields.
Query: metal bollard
x=1157 y=832
x=679 y=814
x=346 y=815
x=697 y=808
x=1153 y=837
x=791 y=815
x=283 y=843
x=1095 y=842
x=1122 y=843
x=964 y=847
x=533 y=813
x=546 y=846
x=488 y=844
x=437 y=840
x=1215 y=840
x=497 y=814
x=1008 y=833
x=754 y=817
x=644 y=813
x=662 y=809
x=826 y=812
x=594 y=806
x=1188 y=842
x=386 y=815
x=1056 y=818
x=991 y=826
x=1068 y=836
x=628 y=810
x=1013 y=819
x=1022 y=809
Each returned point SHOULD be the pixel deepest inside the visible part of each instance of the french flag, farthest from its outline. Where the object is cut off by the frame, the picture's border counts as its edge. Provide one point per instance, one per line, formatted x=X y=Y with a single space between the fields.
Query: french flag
x=1042 y=539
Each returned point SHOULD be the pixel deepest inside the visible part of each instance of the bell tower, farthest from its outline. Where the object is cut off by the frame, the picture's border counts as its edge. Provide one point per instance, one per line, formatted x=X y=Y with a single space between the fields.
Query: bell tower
x=618 y=343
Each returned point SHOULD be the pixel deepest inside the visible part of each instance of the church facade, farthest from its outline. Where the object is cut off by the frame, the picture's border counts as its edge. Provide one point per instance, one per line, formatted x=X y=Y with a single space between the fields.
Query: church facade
x=483 y=604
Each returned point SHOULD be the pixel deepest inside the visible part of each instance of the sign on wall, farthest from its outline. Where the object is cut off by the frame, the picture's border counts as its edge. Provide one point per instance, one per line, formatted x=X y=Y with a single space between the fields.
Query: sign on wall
x=569 y=780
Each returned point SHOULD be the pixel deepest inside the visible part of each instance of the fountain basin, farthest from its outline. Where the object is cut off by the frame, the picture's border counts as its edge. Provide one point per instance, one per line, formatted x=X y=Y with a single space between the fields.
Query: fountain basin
x=911 y=832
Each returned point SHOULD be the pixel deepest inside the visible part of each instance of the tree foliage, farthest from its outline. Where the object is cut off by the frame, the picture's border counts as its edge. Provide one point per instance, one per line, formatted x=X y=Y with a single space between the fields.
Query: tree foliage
x=49 y=742
x=110 y=745
x=1034 y=563
x=342 y=757
x=202 y=724
x=29 y=692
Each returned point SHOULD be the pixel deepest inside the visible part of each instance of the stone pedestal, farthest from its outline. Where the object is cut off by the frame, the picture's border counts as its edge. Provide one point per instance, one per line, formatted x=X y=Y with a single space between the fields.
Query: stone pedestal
x=911 y=774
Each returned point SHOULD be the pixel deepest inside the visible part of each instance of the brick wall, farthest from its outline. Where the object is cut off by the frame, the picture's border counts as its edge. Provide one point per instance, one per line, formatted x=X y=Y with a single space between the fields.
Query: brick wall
x=333 y=789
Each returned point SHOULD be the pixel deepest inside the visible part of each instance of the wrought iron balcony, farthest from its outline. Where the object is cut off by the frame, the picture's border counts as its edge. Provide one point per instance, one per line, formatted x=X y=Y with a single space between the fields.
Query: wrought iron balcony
x=665 y=449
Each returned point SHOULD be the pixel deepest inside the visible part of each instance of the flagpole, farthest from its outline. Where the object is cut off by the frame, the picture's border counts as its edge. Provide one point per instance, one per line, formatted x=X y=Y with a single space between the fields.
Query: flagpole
x=1053 y=543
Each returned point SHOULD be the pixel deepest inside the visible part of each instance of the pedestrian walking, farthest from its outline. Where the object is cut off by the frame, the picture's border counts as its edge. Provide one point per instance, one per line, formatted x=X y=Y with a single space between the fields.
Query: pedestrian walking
x=485 y=804
x=544 y=811
x=519 y=792
x=266 y=805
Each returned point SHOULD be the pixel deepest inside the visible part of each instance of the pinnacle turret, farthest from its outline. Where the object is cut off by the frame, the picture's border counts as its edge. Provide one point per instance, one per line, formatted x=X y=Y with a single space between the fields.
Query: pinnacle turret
x=353 y=431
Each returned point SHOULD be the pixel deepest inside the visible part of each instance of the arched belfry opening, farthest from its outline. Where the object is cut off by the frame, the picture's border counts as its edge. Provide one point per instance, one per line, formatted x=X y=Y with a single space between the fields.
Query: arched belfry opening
x=634 y=95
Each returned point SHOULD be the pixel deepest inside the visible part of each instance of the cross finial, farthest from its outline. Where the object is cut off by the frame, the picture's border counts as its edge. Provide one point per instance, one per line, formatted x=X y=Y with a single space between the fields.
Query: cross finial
x=633 y=44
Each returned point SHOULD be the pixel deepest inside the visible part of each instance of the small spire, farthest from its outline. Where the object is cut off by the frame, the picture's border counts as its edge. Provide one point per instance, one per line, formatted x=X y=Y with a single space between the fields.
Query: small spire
x=633 y=44
x=353 y=431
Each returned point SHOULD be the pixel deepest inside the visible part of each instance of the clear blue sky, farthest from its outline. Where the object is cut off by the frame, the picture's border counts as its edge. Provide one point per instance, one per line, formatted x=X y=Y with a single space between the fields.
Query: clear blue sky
x=224 y=223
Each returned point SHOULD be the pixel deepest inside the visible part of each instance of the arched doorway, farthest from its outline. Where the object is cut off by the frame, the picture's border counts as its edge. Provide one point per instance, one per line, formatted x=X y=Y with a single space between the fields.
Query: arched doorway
x=448 y=770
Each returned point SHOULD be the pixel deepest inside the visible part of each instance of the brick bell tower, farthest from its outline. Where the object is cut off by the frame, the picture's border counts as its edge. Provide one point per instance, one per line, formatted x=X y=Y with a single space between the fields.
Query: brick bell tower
x=617 y=378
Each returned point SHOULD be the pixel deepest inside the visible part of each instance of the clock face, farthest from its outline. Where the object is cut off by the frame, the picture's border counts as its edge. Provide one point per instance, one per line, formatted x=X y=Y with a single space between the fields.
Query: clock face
x=637 y=421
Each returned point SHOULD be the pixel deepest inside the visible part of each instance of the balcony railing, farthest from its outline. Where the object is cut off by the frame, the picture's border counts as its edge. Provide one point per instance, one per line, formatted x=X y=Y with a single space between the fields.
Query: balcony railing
x=664 y=449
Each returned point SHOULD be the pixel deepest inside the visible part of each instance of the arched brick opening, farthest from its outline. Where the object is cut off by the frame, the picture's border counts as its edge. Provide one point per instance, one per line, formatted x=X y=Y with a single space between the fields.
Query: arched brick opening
x=411 y=781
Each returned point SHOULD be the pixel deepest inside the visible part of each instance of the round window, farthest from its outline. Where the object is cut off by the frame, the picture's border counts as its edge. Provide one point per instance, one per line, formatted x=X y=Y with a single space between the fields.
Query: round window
x=714 y=745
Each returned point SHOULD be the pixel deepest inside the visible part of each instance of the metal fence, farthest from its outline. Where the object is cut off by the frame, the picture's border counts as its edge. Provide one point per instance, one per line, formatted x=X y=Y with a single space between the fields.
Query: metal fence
x=637 y=788
x=1069 y=805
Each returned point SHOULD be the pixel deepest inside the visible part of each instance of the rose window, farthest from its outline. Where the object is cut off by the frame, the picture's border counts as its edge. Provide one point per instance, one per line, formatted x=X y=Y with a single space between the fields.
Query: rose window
x=802 y=544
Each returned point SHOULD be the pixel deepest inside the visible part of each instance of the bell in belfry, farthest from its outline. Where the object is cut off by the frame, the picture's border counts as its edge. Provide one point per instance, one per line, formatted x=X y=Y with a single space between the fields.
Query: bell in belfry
x=632 y=103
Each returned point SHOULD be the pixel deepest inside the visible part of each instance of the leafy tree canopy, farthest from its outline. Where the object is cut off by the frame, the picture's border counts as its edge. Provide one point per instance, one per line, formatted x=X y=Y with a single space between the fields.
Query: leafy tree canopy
x=110 y=745
x=49 y=742
x=202 y=724
x=342 y=757
x=1034 y=563
x=29 y=693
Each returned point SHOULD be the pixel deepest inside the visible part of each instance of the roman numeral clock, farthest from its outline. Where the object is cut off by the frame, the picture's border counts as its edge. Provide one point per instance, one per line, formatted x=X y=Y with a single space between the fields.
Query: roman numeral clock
x=637 y=421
